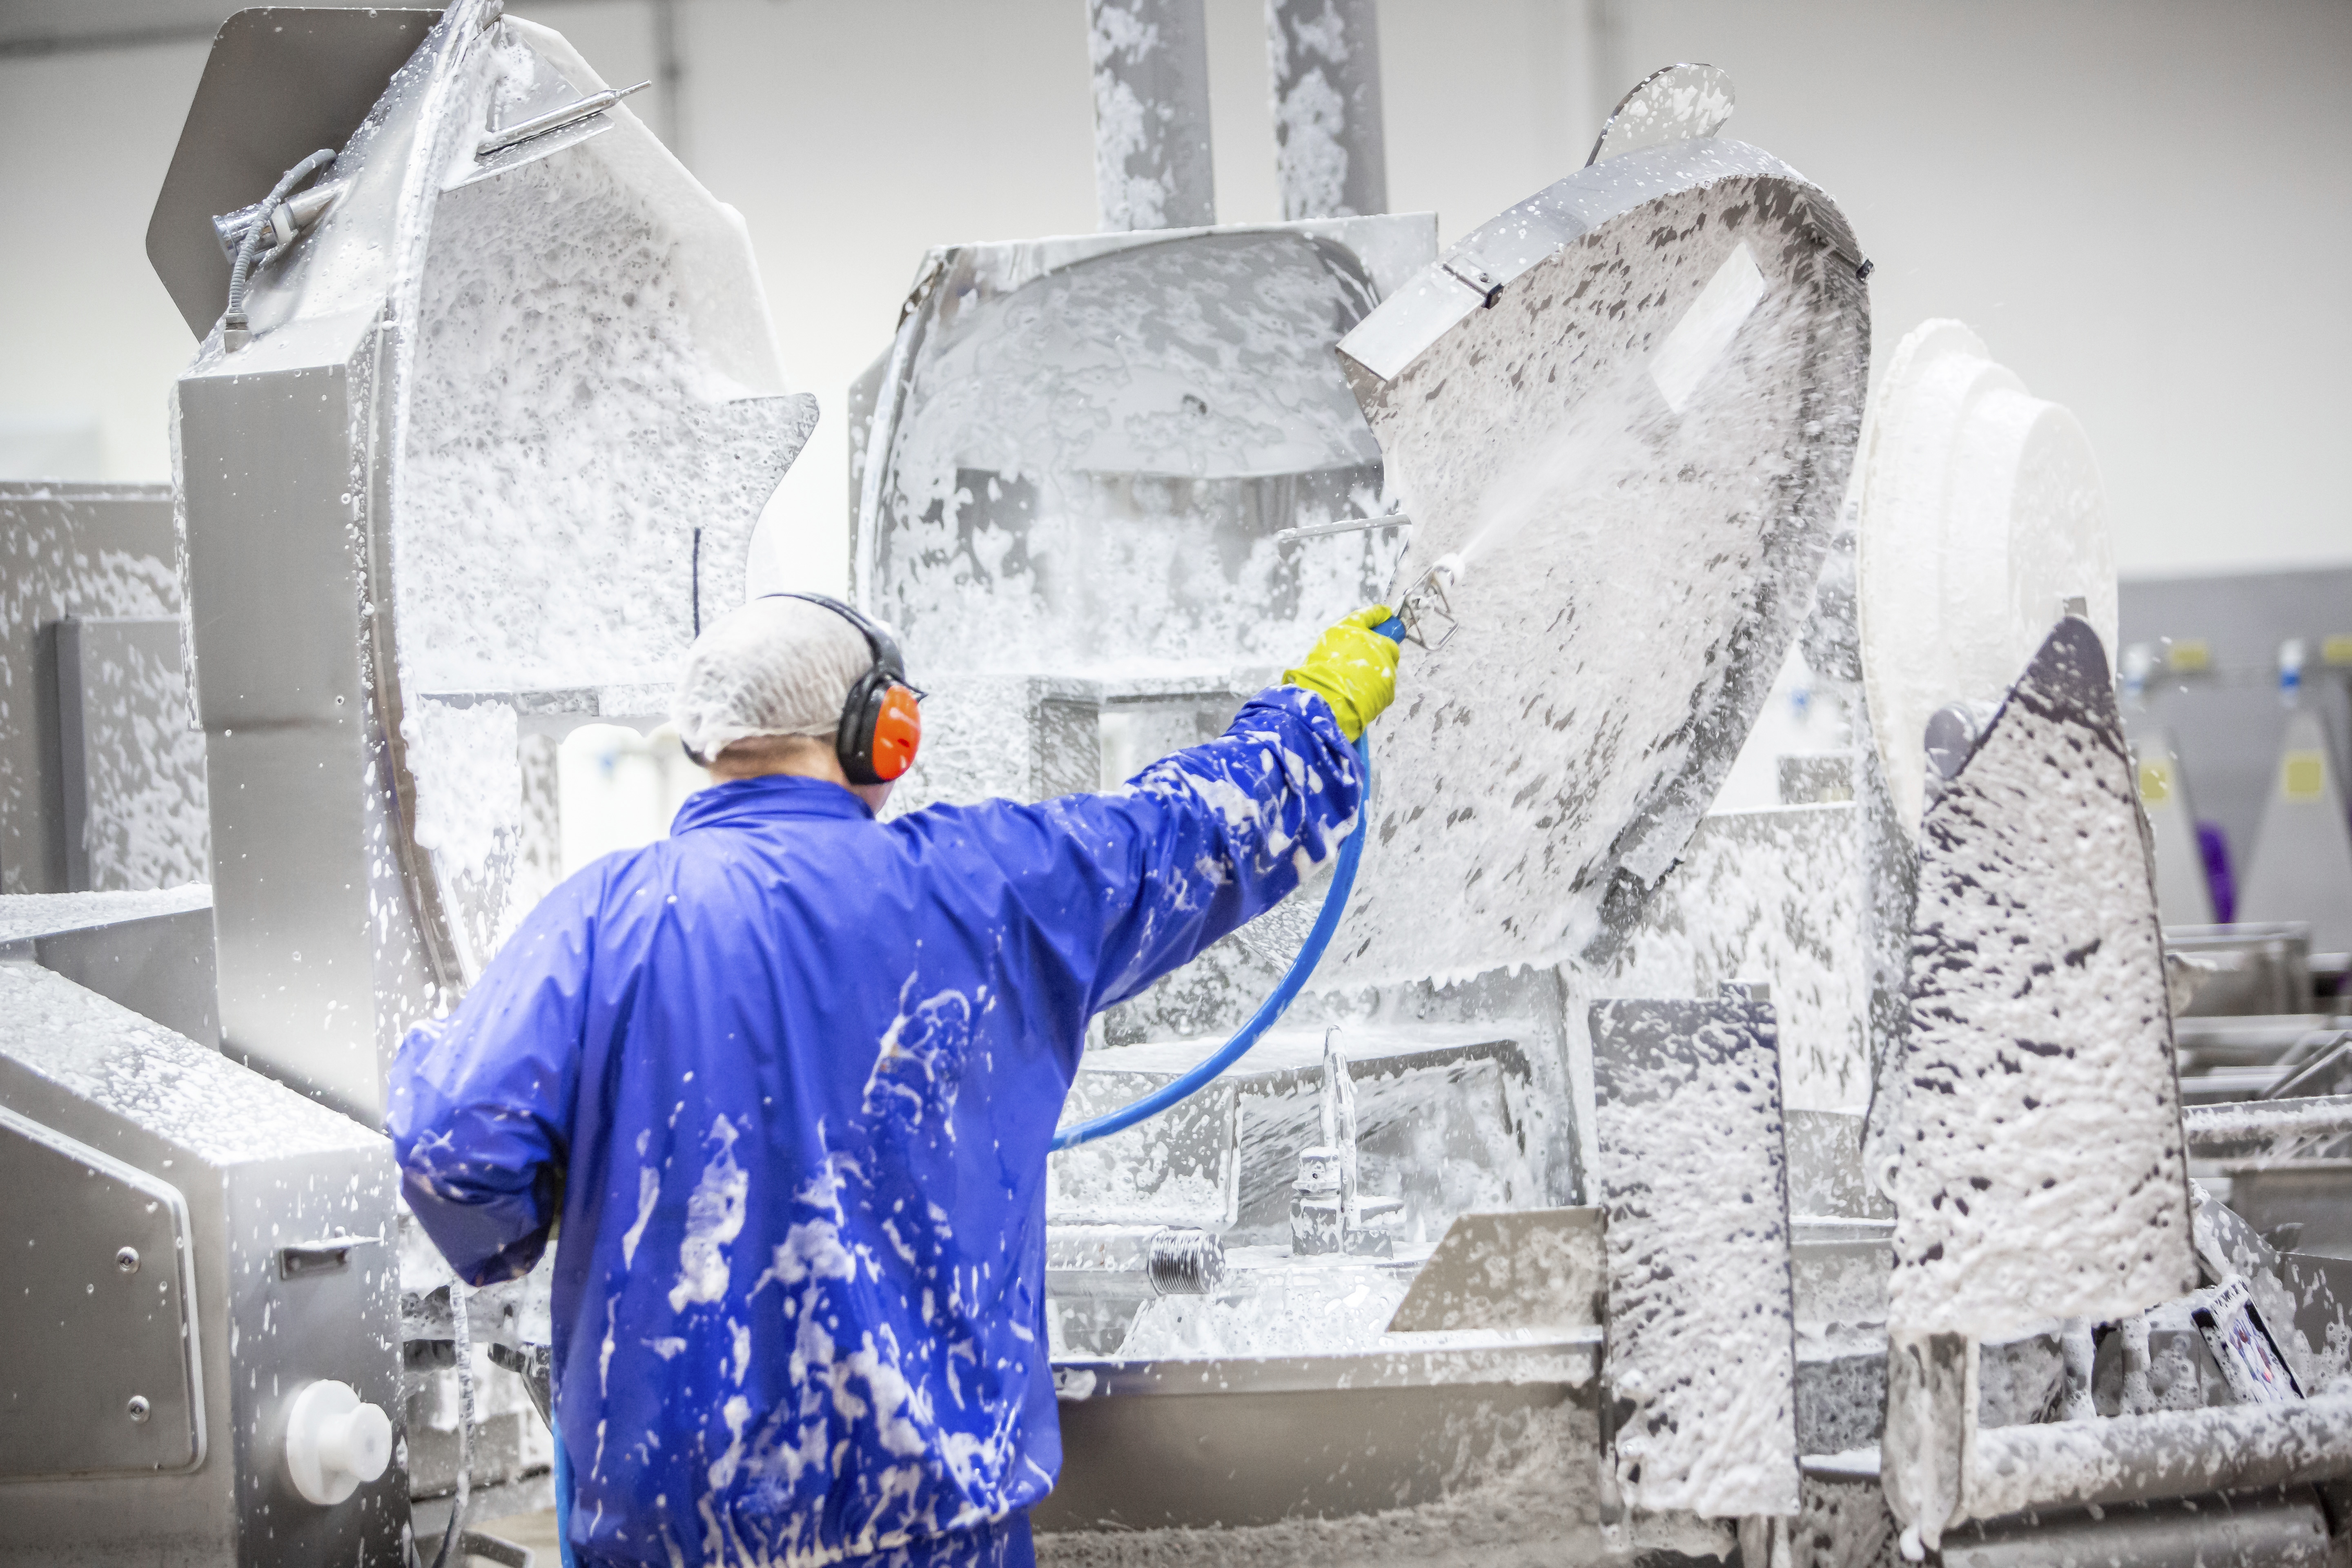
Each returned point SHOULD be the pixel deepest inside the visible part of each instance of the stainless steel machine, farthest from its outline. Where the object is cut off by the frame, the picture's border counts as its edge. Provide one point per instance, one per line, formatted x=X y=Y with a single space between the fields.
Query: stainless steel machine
x=1102 y=450
x=1638 y=1182
x=370 y=213
x=204 y=1306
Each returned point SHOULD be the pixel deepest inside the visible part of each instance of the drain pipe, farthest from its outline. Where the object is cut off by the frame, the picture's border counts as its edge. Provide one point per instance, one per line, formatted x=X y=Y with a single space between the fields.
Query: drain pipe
x=1330 y=157
x=1151 y=114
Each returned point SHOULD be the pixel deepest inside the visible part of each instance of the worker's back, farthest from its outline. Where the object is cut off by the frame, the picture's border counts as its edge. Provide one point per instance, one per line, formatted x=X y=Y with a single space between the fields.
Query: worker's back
x=798 y=1071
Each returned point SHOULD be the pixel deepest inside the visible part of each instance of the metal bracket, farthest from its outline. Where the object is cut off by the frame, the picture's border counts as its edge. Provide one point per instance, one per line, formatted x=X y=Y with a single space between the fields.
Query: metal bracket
x=1465 y=271
x=494 y=1549
x=934 y=269
x=533 y=1364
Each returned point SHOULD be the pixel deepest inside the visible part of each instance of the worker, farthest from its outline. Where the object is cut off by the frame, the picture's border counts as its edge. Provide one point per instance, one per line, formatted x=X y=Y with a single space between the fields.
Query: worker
x=787 y=1079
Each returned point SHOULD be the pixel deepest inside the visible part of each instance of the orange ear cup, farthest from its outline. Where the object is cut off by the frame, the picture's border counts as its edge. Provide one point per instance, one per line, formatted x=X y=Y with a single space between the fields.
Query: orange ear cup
x=897 y=733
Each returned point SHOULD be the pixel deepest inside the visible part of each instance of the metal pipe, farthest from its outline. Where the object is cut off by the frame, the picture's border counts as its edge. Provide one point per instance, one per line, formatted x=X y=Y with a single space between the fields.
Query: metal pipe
x=465 y=1337
x=2191 y=1534
x=1330 y=158
x=554 y=120
x=1151 y=114
x=2259 y=1127
x=2170 y=1454
x=1348 y=525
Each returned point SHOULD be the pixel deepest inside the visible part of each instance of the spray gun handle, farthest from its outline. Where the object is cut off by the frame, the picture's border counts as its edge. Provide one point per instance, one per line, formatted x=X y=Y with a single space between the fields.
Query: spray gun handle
x=1393 y=629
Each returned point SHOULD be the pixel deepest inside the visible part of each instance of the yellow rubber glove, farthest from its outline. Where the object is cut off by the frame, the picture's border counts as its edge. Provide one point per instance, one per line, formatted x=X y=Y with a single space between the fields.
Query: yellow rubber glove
x=1352 y=668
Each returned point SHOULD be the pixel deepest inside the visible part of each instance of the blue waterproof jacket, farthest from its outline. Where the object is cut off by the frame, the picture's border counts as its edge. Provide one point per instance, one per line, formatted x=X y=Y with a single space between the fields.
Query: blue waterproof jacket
x=788 y=1077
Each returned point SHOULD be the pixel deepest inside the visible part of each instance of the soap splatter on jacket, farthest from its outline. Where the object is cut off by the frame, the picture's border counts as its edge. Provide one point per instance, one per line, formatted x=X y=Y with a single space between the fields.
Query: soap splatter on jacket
x=788 y=1077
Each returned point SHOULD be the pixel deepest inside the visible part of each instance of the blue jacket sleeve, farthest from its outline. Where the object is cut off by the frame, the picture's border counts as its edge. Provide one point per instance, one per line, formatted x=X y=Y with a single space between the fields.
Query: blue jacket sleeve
x=1198 y=843
x=479 y=1108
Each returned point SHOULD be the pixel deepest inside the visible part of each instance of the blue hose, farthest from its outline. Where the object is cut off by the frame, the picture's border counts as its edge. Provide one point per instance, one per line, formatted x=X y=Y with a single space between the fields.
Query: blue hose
x=1335 y=904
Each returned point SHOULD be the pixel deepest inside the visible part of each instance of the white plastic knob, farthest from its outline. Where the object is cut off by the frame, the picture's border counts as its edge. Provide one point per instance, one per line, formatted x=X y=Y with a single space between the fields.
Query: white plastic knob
x=334 y=1443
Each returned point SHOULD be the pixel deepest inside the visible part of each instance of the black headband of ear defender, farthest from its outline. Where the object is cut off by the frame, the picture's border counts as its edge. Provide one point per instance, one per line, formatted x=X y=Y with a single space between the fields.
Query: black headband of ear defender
x=887 y=658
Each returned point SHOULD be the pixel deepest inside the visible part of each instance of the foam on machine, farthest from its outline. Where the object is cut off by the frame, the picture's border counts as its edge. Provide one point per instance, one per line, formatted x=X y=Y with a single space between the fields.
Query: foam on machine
x=1544 y=1227
x=471 y=340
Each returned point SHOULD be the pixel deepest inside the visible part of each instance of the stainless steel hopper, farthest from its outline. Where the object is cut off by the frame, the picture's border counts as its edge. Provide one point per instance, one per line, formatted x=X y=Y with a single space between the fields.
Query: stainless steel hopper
x=483 y=374
x=1540 y=772
x=479 y=437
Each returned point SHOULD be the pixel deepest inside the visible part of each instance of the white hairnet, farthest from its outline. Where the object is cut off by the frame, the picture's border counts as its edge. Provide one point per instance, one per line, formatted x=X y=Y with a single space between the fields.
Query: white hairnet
x=775 y=667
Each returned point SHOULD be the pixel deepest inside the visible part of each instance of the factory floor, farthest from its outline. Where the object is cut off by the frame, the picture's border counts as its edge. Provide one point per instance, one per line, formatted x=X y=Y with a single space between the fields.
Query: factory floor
x=536 y=1531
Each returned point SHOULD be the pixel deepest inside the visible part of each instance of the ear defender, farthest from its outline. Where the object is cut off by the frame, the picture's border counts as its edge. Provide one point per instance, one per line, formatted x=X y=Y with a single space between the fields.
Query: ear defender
x=881 y=727
x=881 y=723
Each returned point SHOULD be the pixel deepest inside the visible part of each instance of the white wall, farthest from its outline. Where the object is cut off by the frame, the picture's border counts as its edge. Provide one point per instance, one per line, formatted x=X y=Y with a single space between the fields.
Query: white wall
x=2144 y=205
x=84 y=329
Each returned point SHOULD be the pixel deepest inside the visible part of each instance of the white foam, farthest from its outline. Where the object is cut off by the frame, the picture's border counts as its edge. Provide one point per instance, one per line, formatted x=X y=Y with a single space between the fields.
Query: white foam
x=2038 y=1169
x=1702 y=1345
x=1980 y=508
x=1076 y=477
x=592 y=416
x=1628 y=578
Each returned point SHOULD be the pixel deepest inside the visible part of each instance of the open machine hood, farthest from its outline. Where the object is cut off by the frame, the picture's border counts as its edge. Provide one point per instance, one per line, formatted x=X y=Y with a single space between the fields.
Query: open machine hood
x=508 y=408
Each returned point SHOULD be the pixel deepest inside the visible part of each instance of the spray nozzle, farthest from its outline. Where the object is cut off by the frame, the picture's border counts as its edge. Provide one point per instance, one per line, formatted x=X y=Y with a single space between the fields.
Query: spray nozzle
x=1424 y=616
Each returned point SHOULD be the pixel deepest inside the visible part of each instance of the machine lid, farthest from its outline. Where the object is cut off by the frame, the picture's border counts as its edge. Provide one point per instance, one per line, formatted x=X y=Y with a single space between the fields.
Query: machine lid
x=1083 y=451
x=1627 y=467
x=569 y=413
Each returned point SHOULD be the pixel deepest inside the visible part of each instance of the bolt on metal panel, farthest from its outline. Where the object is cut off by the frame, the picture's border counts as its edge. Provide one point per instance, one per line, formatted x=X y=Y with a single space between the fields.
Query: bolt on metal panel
x=259 y=1168
x=99 y=1340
